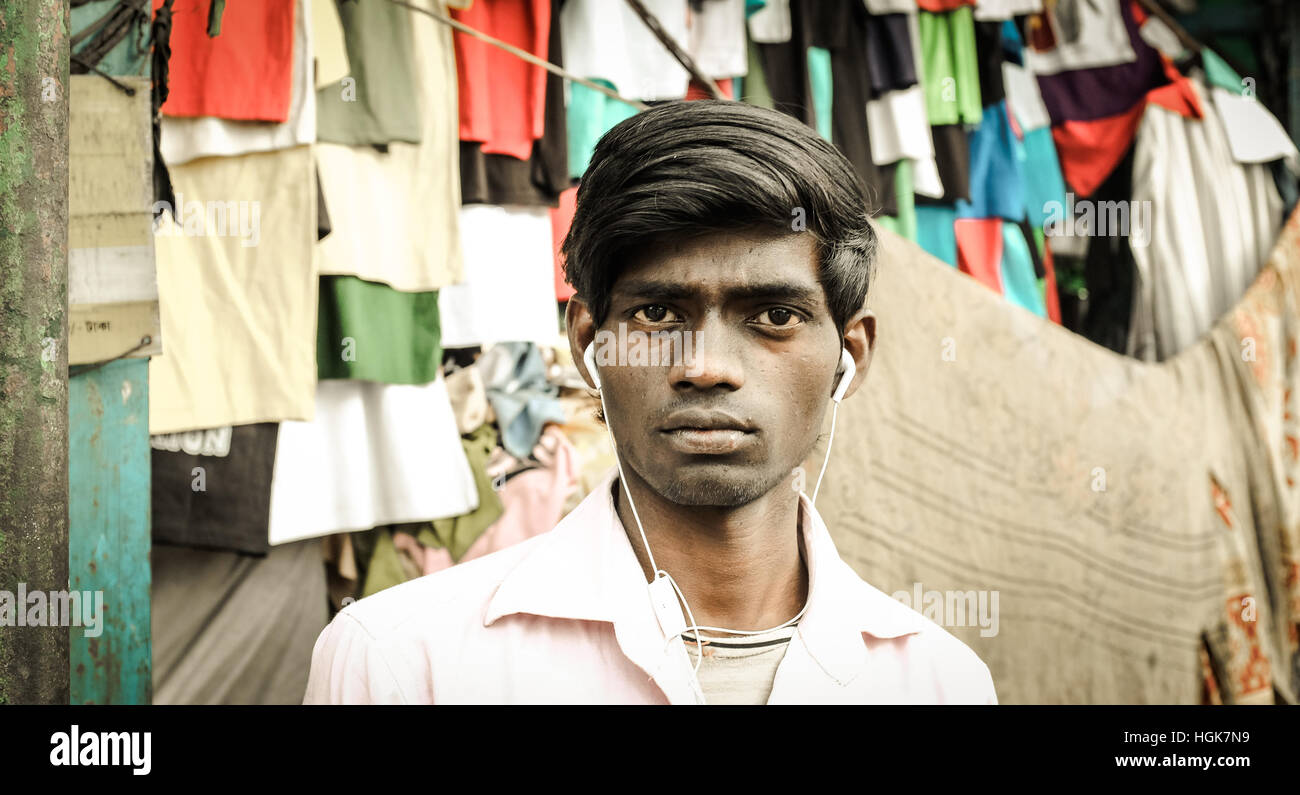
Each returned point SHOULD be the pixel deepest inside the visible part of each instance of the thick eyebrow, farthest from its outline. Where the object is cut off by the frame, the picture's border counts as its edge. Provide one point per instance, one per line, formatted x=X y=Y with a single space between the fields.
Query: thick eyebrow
x=654 y=289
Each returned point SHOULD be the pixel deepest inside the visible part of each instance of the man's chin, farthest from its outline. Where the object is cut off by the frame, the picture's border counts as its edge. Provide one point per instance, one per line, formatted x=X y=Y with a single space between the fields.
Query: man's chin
x=724 y=487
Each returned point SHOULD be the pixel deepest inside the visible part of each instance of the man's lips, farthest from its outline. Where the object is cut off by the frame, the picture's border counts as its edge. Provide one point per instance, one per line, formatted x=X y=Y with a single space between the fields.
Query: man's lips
x=699 y=432
x=699 y=441
x=701 y=419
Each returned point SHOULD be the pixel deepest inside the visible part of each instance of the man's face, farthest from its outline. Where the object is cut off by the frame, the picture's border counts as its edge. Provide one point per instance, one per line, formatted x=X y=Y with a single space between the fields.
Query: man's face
x=728 y=416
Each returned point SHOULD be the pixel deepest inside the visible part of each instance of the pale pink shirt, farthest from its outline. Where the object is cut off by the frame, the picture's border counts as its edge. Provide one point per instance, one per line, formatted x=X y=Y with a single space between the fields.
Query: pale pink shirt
x=566 y=618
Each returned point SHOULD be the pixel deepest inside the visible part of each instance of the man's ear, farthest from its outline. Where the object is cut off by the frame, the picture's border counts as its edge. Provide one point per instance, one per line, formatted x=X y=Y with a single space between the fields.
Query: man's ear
x=860 y=342
x=582 y=331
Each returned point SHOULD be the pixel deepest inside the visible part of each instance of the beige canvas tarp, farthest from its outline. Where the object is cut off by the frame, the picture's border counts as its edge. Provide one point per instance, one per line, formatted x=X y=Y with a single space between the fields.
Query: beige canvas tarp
x=1138 y=522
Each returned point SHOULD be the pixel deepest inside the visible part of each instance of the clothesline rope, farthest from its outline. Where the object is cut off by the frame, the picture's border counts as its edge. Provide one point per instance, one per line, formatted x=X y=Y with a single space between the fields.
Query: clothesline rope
x=1153 y=7
x=675 y=49
x=524 y=54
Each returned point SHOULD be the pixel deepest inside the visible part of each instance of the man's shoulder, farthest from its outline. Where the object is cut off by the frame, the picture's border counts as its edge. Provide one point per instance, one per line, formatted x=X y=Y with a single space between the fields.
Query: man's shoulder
x=452 y=597
x=953 y=665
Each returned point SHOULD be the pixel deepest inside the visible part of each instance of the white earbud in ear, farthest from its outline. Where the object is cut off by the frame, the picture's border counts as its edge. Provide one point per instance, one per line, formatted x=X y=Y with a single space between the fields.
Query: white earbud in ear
x=589 y=356
x=847 y=369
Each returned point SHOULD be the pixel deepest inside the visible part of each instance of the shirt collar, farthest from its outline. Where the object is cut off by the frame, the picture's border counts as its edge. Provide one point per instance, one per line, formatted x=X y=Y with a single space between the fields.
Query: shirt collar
x=585 y=569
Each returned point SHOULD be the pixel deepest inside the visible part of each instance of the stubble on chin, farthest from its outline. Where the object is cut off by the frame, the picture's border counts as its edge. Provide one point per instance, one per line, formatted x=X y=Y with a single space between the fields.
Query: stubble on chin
x=722 y=492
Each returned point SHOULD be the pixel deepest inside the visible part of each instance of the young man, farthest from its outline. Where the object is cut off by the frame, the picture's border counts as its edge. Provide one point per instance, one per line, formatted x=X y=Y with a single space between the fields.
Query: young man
x=721 y=255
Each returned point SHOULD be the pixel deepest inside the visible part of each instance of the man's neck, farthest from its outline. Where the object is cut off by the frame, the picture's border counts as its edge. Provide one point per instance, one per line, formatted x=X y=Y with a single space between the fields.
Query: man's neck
x=740 y=568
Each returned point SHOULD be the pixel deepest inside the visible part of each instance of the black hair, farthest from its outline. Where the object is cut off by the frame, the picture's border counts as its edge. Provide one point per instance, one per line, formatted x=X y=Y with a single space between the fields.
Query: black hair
x=688 y=168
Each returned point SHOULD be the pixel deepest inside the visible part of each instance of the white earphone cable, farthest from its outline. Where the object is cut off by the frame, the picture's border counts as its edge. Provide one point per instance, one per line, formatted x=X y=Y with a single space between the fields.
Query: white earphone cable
x=618 y=461
x=693 y=627
x=835 y=410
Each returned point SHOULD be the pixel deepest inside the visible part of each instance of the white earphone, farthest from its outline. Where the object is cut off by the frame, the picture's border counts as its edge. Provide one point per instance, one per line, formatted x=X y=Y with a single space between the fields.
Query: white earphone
x=848 y=368
x=589 y=356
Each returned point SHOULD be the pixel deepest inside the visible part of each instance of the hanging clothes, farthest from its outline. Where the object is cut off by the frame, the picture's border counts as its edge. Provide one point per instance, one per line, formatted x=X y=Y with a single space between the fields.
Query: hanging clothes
x=1040 y=174
x=771 y=24
x=1103 y=267
x=1089 y=150
x=561 y=220
x=513 y=513
x=784 y=66
x=998 y=10
x=508 y=293
x=1208 y=227
x=395 y=558
x=378 y=102
x=990 y=55
x=900 y=130
x=1024 y=98
x=900 y=126
x=997 y=254
x=1096 y=111
x=1044 y=185
x=996 y=179
x=904 y=222
x=857 y=74
x=888 y=44
x=717 y=38
x=539 y=179
x=1265 y=321
x=609 y=41
x=212 y=488
x=521 y=397
x=1254 y=134
x=373 y=454
x=753 y=87
x=330 y=48
x=227 y=628
x=940 y=6
x=952 y=159
x=591 y=114
x=1079 y=34
x=394 y=214
x=469 y=401
x=128 y=49
x=951 y=66
x=185 y=139
x=245 y=73
x=532 y=501
x=502 y=97
x=936 y=231
x=456 y=535
x=237 y=293
x=369 y=331
x=830 y=37
x=1085 y=93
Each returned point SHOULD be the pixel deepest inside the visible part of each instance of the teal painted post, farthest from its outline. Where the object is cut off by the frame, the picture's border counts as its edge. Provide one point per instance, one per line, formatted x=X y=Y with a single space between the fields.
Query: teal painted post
x=109 y=531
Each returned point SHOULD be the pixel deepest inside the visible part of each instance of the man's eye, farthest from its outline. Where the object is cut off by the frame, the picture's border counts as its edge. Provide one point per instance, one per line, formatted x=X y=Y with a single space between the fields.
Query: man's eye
x=655 y=313
x=778 y=316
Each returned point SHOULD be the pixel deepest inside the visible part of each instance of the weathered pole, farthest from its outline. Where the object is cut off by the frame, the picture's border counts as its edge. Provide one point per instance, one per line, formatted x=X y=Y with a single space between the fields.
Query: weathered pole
x=33 y=345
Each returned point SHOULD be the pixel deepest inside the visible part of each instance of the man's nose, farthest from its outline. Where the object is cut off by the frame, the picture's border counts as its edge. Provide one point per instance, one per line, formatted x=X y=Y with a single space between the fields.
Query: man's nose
x=709 y=359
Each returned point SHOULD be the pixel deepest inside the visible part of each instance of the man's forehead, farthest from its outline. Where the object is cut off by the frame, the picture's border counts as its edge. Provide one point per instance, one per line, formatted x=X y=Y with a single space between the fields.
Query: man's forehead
x=732 y=263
